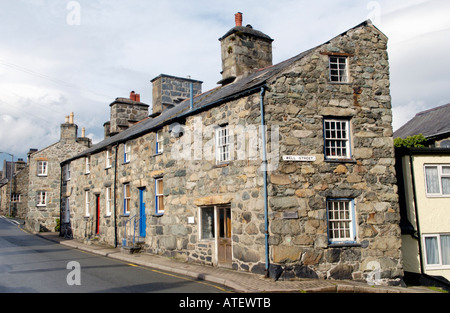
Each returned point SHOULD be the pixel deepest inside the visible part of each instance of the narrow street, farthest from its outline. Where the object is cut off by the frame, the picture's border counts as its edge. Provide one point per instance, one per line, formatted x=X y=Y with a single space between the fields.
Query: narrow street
x=30 y=264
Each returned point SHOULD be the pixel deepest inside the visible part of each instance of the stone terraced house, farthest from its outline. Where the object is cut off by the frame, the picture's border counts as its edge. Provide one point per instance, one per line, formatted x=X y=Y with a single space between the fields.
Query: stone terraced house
x=44 y=182
x=285 y=170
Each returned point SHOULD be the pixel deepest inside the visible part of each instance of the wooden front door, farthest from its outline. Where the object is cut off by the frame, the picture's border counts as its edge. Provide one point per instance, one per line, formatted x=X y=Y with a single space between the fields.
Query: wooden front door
x=224 y=236
x=142 y=216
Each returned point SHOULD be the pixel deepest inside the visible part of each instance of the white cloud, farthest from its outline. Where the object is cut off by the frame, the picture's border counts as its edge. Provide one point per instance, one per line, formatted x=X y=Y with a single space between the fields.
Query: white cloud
x=49 y=68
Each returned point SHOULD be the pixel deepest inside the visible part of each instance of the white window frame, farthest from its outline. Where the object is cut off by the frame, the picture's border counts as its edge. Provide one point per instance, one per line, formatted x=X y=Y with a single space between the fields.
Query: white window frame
x=126 y=198
x=42 y=168
x=87 y=164
x=159 y=142
x=159 y=196
x=87 y=212
x=440 y=176
x=108 y=159
x=126 y=153
x=440 y=264
x=341 y=229
x=108 y=201
x=223 y=145
x=338 y=69
x=41 y=198
x=335 y=140
x=211 y=225
x=15 y=197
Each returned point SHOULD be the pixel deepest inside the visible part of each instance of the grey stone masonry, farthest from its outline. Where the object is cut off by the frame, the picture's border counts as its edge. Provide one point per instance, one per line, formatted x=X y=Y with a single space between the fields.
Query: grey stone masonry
x=43 y=196
x=332 y=203
x=169 y=90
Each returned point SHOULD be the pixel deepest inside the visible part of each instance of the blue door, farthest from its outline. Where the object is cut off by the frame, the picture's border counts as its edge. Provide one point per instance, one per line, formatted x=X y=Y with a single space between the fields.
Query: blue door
x=142 y=216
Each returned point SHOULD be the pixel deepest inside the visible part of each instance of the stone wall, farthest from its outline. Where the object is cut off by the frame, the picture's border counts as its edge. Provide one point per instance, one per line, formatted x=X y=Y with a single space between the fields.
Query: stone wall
x=44 y=218
x=296 y=102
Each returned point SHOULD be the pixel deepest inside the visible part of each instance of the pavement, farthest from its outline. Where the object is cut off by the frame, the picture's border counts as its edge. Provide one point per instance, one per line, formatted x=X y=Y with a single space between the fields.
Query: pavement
x=241 y=282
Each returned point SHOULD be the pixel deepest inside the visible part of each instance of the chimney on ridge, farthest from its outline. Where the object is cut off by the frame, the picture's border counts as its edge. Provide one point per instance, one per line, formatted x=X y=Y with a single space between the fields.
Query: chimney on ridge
x=244 y=50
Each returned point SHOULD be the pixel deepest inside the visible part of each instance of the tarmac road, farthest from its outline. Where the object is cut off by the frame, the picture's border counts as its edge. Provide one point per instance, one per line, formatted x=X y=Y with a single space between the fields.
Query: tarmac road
x=32 y=264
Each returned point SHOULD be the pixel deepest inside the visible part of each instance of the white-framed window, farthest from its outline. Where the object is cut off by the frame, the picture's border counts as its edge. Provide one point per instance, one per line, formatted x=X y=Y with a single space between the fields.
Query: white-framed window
x=87 y=211
x=42 y=168
x=341 y=225
x=41 y=198
x=223 y=152
x=437 y=180
x=207 y=223
x=337 y=138
x=15 y=197
x=437 y=251
x=108 y=201
x=108 y=158
x=159 y=142
x=87 y=164
x=338 y=69
x=126 y=153
x=66 y=172
x=159 y=196
x=126 y=199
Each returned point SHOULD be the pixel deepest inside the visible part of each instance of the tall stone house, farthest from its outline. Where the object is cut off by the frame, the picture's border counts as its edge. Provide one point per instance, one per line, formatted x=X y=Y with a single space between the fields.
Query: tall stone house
x=285 y=170
x=14 y=188
x=45 y=175
x=424 y=190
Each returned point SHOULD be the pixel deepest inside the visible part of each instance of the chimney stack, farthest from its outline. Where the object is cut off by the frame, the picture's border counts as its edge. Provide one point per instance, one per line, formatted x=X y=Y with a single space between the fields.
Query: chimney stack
x=124 y=113
x=244 y=50
x=238 y=18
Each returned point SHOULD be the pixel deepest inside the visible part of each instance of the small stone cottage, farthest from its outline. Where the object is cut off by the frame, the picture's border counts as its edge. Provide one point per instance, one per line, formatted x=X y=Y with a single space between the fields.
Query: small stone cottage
x=285 y=170
x=44 y=183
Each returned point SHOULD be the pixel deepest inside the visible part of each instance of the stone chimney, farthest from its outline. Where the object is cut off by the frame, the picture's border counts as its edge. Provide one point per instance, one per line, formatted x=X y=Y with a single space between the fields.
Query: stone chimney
x=168 y=91
x=69 y=130
x=126 y=112
x=244 y=51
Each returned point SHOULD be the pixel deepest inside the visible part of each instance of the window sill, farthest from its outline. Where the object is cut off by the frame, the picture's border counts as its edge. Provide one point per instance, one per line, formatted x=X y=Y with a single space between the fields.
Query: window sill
x=224 y=164
x=344 y=245
x=339 y=83
x=158 y=214
x=340 y=160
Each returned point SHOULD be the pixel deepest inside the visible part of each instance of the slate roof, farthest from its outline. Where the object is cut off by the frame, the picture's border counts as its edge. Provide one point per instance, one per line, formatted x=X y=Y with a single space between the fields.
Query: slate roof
x=430 y=123
x=244 y=86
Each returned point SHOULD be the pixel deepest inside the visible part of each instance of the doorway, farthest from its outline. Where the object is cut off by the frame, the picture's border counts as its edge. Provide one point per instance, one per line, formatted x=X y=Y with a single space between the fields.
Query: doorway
x=142 y=215
x=223 y=227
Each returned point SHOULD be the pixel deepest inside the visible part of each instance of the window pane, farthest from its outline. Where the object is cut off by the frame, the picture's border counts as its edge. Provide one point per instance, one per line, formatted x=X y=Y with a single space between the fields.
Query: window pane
x=432 y=179
x=432 y=250
x=446 y=185
x=207 y=223
x=445 y=249
x=446 y=170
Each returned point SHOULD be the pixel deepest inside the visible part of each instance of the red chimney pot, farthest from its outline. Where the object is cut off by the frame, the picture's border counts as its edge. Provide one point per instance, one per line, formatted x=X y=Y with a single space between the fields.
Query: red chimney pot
x=238 y=19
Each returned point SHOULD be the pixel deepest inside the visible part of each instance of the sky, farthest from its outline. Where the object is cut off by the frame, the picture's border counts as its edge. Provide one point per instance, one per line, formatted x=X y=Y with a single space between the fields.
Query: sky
x=58 y=56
